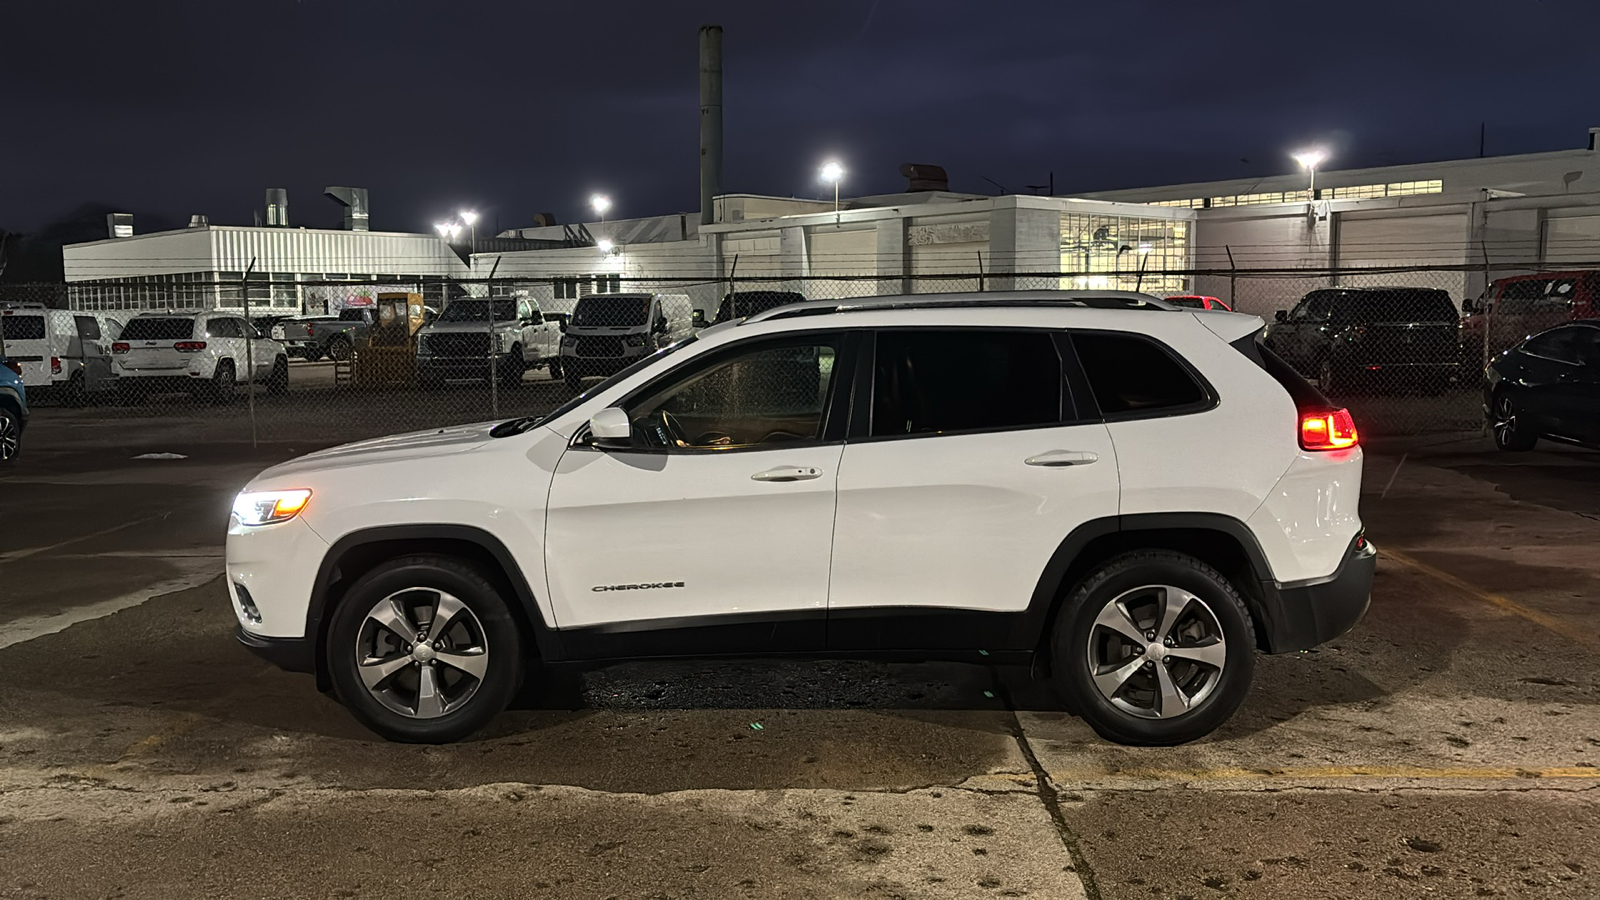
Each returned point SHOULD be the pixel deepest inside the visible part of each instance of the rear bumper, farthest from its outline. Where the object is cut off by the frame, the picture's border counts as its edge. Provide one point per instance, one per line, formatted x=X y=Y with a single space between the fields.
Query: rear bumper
x=1302 y=615
x=289 y=654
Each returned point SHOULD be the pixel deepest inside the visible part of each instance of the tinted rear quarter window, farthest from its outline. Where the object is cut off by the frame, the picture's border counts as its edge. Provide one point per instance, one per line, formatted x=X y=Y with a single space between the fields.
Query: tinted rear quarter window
x=1132 y=375
x=158 y=330
x=927 y=382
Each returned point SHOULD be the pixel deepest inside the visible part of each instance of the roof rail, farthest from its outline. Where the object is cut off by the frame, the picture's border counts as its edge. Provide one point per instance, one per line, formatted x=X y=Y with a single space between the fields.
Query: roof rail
x=1082 y=299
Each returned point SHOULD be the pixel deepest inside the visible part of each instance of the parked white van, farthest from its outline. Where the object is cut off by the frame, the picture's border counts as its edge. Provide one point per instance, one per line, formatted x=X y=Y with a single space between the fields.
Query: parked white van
x=607 y=332
x=65 y=355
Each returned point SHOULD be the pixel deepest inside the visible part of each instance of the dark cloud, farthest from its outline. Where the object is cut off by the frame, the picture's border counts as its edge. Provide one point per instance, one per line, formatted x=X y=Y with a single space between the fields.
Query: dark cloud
x=518 y=108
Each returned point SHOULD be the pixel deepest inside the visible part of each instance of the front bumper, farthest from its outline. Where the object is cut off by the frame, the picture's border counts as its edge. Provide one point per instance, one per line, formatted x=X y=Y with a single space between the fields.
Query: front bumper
x=1302 y=615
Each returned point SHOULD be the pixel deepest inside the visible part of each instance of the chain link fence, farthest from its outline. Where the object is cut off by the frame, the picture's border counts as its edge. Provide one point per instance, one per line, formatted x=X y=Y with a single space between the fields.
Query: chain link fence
x=325 y=362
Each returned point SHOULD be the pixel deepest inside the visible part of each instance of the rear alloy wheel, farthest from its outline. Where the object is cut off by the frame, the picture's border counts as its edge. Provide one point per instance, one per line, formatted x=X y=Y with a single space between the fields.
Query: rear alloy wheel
x=423 y=649
x=1510 y=433
x=223 y=383
x=1154 y=648
x=10 y=434
x=278 y=380
x=339 y=349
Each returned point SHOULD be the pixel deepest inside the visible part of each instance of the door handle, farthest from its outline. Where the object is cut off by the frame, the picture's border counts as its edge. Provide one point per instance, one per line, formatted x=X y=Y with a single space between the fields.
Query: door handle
x=788 y=473
x=1057 y=458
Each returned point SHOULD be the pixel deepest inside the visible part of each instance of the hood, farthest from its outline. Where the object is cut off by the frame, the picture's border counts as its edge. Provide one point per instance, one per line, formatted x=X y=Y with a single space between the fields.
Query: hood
x=414 y=445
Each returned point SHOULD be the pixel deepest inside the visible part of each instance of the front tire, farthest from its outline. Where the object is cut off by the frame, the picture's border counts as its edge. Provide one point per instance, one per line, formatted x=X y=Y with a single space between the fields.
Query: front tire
x=1510 y=433
x=1154 y=648
x=423 y=649
x=278 y=381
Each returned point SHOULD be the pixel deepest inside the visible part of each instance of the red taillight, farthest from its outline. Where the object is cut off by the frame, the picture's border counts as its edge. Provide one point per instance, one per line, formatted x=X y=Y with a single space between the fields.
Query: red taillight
x=13 y=365
x=55 y=365
x=1328 y=431
x=189 y=346
x=120 y=347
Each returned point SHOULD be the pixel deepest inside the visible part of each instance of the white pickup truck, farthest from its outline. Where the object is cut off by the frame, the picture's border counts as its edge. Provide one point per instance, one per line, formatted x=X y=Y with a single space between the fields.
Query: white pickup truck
x=473 y=338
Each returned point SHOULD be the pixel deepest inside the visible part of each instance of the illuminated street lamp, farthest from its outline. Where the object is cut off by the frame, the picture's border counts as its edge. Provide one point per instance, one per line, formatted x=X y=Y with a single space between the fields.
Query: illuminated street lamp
x=833 y=173
x=471 y=218
x=449 y=231
x=1309 y=160
x=605 y=246
x=601 y=204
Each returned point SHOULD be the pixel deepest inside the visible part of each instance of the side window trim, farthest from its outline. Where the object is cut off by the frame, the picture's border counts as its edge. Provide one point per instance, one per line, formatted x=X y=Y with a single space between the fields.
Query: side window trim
x=834 y=408
x=1209 y=401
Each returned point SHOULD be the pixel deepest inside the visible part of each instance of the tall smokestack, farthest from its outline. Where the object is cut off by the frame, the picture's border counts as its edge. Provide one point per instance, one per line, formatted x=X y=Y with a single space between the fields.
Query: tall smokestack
x=710 y=120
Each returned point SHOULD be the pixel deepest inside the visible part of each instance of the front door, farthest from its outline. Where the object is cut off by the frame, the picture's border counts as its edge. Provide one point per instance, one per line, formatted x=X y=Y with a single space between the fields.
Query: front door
x=970 y=472
x=720 y=513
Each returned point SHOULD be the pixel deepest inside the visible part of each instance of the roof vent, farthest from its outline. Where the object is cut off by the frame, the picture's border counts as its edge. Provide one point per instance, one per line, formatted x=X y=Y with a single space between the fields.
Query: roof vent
x=277 y=207
x=119 y=225
x=544 y=220
x=924 y=178
x=198 y=221
x=354 y=201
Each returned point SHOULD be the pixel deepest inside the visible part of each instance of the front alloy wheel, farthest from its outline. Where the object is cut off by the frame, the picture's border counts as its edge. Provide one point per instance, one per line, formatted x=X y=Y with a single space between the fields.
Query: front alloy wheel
x=10 y=435
x=1510 y=433
x=424 y=649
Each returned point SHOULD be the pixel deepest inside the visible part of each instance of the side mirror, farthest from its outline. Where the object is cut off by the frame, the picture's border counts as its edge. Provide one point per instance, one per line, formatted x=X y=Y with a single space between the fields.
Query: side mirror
x=699 y=320
x=1281 y=315
x=610 y=429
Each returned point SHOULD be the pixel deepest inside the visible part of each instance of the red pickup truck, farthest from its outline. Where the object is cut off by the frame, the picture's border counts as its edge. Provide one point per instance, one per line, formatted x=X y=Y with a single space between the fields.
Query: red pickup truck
x=1515 y=307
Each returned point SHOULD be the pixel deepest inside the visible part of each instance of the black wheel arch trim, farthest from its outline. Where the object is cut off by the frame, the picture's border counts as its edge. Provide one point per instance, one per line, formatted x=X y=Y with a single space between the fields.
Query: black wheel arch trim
x=526 y=609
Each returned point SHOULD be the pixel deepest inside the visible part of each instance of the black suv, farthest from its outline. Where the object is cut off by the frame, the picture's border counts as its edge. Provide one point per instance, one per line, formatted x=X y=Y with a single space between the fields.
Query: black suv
x=1346 y=338
x=743 y=304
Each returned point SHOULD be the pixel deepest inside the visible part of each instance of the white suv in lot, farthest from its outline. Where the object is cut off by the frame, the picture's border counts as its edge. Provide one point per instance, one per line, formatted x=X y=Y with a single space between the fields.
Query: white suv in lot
x=206 y=354
x=1136 y=495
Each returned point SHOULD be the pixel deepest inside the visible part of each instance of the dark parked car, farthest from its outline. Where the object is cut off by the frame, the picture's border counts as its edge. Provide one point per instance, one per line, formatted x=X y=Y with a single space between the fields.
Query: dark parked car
x=1346 y=338
x=1548 y=386
x=13 y=409
x=742 y=304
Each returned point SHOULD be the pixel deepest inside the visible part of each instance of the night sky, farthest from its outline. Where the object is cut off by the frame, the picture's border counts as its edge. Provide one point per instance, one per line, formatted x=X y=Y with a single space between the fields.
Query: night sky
x=517 y=108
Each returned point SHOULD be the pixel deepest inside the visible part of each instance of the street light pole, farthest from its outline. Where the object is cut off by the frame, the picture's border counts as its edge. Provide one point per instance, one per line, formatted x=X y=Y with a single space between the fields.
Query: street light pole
x=833 y=172
x=1309 y=160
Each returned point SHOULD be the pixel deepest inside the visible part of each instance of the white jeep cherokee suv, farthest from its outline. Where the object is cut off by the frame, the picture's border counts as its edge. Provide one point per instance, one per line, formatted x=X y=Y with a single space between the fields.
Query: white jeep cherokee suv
x=1137 y=494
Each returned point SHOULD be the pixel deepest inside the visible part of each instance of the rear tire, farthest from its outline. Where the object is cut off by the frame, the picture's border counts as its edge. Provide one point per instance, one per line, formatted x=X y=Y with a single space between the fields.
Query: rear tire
x=223 y=382
x=278 y=380
x=1510 y=434
x=1154 y=648
x=513 y=367
x=555 y=370
x=339 y=349
x=378 y=672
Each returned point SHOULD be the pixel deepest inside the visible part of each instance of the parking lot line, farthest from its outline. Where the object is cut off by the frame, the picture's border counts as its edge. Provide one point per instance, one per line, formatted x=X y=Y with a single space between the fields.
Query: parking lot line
x=1553 y=623
x=27 y=628
x=30 y=551
x=1329 y=773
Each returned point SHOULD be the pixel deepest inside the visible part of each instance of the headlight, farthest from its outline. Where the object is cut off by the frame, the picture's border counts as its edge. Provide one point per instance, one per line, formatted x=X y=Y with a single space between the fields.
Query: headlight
x=266 y=507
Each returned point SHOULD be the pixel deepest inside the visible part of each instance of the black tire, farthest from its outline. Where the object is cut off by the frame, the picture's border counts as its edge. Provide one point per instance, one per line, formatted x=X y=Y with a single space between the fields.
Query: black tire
x=1222 y=610
x=224 y=382
x=339 y=349
x=1328 y=379
x=278 y=380
x=555 y=370
x=76 y=393
x=513 y=367
x=502 y=642
x=10 y=434
x=1510 y=434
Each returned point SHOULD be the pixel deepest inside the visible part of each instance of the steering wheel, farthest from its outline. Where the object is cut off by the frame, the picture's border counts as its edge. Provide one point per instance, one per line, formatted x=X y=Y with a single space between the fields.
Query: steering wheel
x=781 y=435
x=669 y=431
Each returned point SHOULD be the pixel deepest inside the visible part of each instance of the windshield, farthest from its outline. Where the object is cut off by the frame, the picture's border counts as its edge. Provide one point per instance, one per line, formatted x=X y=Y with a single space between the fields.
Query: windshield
x=22 y=328
x=610 y=312
x=523 y=424
x=158 y=330
x=1189 y=302
x=505 y=310
x=1395 y=306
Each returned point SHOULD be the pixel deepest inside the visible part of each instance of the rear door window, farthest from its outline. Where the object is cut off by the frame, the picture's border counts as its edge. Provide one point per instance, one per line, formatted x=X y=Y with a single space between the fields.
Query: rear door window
x=22 y=328
x=158 y=330
x=223 y=328
x=88 y=328
x=1133 y=375
x=938 y=381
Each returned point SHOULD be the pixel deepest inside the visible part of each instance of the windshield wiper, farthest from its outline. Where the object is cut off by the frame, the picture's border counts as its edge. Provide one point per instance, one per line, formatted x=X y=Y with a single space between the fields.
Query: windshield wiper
x=513 y=427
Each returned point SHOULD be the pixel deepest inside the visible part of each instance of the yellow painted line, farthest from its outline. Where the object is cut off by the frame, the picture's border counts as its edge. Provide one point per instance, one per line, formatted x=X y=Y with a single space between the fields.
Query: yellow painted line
x=1326 y=773
x=1564 y=628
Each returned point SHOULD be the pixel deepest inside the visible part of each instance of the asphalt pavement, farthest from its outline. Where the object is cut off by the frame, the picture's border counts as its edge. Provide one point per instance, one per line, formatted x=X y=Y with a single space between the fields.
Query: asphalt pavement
x=1446 y=747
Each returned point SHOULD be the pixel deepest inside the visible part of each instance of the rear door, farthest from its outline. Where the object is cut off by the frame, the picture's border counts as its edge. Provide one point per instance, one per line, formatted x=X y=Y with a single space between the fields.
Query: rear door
x=967 y=466
x=27 y=342
x=1563 y=373
x=95 y=353
x=150 y=343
